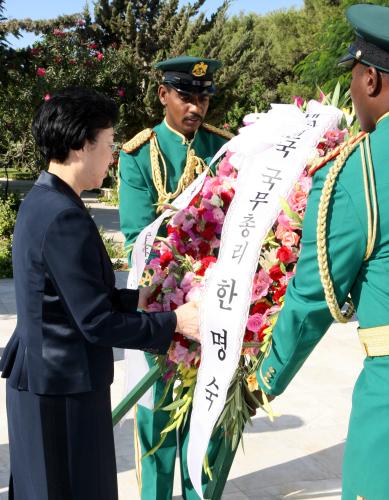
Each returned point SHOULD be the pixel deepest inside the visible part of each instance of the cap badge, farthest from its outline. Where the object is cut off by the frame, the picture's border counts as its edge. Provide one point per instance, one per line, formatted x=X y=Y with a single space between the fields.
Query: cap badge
x=200 y=69
x=358 y=54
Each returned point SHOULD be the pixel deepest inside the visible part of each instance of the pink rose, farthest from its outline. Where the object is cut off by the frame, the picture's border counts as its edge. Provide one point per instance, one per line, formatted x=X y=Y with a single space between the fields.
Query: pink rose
x=280 y=231
x=41 y=72
x=261 y=285
x=47 y=97
x=298 y=201
x=99 y=56
x=254 y=322
x=335 y=136
x=121 y=92
x=290 y=239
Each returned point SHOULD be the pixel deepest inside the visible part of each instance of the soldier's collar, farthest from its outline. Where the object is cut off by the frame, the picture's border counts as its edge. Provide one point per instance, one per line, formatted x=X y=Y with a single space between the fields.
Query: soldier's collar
x=385 y=115
x=184 y=140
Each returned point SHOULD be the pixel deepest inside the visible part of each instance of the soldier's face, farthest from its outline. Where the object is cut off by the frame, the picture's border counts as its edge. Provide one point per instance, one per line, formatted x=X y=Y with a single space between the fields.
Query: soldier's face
x=365 y=91
x=184 y=113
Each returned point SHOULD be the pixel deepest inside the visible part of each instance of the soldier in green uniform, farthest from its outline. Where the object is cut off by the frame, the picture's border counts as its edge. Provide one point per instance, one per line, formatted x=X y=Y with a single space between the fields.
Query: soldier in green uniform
x=155 y=167
x=345 y=250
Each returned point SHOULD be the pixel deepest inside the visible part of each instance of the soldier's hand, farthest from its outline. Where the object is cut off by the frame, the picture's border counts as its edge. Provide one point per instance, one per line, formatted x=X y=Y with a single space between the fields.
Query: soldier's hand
x=255 y=399
x=188 y=321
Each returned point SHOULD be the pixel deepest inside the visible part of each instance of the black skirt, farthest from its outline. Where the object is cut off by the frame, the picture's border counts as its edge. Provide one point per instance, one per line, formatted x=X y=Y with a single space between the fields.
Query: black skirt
x=61 y=447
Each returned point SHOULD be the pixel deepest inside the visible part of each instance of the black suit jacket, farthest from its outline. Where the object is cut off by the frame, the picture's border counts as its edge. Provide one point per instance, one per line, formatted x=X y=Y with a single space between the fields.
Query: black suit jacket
x=69 y=313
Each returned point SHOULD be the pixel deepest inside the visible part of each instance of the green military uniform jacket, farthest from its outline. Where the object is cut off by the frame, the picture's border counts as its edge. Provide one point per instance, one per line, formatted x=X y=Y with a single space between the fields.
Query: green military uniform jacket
x=138 y=204
x=138 y=195
x=305 y=316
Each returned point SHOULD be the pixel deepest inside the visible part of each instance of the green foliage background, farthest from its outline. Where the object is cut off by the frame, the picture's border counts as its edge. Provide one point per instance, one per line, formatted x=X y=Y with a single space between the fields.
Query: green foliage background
x=266 y=59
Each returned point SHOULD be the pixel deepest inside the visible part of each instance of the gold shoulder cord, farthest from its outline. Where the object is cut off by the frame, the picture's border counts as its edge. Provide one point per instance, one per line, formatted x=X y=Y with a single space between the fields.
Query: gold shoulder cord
x=371 y=206
x=221 y=133
x=194 y=165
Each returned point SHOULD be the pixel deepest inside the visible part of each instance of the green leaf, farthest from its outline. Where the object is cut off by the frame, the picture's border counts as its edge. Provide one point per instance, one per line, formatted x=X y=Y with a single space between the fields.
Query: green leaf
x=176 y=403
x=336 y=94
x=289 y=212
x=156 y=447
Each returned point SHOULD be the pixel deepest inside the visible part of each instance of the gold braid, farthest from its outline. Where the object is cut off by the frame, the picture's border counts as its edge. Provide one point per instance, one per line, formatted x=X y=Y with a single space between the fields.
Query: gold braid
x=194 y=165
x=322 y=256
x=372 y=218
x=371 y=199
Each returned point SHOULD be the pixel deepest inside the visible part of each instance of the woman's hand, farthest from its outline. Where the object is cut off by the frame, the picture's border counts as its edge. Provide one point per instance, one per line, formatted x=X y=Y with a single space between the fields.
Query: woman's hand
x=144 y=295
x=188 y=321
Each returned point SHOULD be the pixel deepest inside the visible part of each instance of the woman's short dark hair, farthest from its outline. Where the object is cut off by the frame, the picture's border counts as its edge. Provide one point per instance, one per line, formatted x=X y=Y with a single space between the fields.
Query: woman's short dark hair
x=69 y=118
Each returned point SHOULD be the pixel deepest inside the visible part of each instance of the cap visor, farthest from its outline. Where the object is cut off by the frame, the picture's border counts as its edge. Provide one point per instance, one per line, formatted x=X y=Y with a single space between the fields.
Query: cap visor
x=347 y=60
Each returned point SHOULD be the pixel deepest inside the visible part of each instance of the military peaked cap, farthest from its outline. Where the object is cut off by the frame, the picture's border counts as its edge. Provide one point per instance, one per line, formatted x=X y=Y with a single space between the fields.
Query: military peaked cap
x=371 y=26
x=189 y=75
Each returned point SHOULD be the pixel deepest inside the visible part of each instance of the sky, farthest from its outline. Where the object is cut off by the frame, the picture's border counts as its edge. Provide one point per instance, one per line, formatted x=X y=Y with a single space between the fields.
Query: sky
x=47 y=9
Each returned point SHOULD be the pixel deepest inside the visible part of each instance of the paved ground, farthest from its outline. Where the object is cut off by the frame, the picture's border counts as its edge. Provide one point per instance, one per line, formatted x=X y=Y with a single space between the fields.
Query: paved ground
x=298 y=456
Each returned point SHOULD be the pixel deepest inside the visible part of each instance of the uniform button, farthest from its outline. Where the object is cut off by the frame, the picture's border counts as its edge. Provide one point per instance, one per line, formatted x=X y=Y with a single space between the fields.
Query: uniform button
x=272 y=370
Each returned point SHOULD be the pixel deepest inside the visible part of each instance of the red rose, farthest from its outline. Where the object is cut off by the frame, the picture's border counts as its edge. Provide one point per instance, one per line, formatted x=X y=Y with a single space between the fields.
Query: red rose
x=204 y=248
x=184 y=342
x=177 y=337
x=209 y=231
x=261 y=334
x=205 y=262
x=226 y=197
x=259 y=308
x=284 y=254
x=248 y=336
x=275 y=273
x=191 y=252
x=183 y=234
x=279 y=293
x=165 y=259
x=195 y=200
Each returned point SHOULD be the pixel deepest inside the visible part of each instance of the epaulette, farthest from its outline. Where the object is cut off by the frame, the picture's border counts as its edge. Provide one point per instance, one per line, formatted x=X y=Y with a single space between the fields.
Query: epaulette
x=320 y=162
x=217 y=131
x=137 y=141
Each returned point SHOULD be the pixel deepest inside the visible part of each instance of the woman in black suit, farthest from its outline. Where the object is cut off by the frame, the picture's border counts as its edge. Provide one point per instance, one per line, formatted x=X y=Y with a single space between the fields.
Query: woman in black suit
x=59 y=361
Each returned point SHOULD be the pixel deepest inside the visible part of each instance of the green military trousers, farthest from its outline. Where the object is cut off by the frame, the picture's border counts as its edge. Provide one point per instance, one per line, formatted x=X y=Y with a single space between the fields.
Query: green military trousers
x=366 y=457
x=156 y=472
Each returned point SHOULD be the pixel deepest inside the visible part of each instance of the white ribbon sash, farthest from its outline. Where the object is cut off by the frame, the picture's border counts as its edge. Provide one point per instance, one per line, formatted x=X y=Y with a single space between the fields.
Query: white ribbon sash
x=267 y=173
